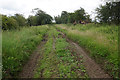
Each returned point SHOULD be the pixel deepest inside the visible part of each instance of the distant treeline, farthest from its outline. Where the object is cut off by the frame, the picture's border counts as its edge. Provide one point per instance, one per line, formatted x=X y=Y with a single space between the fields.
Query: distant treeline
x=108 y=13
x=76 y=16
x=18 y=20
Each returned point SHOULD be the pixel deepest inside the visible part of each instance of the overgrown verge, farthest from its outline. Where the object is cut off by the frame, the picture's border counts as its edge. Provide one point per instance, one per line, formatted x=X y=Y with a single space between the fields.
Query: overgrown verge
x=57 y=60
x=101 y=42
x=17 y=47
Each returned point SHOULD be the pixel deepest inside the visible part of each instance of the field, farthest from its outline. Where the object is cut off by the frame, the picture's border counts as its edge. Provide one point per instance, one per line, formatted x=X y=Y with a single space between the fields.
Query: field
x=61 y=51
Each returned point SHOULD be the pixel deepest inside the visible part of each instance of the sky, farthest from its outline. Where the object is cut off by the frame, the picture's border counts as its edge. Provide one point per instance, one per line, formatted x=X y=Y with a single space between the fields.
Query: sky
x=51 y=7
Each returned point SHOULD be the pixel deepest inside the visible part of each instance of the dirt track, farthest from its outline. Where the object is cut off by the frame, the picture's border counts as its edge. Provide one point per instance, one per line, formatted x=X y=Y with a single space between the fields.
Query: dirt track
x=28 y=69
x=92 y=68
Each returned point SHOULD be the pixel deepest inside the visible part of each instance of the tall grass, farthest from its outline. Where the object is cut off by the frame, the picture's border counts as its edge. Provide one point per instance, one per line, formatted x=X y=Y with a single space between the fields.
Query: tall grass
x=17 y=47
x=100 y=40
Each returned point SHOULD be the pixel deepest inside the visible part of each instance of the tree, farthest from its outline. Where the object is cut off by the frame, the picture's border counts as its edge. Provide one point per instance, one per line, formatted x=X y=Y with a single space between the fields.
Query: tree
x=109 y=13
x=80 y=14
x=32 y=20
x=20 y=19
x=71 y=18
x=58 y=19
x=8 y=23
x=64 y=17
x=48 y=19
x=40 y=17
x=87 y=17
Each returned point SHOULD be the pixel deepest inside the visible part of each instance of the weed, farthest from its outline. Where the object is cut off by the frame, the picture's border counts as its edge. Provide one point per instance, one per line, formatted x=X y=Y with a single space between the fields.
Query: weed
x=17 y=47
x=102 y=43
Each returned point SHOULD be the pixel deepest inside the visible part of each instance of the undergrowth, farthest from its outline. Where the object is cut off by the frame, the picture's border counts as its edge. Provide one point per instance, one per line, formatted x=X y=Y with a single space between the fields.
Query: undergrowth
x=17 y=45
x=101 y=41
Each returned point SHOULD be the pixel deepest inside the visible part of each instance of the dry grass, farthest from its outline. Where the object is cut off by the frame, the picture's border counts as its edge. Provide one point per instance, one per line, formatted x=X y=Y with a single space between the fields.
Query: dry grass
x=97 y=37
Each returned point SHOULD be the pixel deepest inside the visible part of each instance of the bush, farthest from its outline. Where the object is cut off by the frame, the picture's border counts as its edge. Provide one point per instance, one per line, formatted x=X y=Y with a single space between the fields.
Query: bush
x=8 y=23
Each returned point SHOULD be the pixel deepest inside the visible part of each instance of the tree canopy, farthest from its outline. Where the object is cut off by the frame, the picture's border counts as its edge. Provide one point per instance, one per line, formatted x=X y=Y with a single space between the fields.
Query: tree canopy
x=109 y=13
x=8 y=23
x=40 y=18
x=20 y=19
x=78 y=15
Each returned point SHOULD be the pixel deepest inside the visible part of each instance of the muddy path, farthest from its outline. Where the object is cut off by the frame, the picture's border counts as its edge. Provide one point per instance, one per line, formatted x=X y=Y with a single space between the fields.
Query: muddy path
x=92 y=68
x=30 y=66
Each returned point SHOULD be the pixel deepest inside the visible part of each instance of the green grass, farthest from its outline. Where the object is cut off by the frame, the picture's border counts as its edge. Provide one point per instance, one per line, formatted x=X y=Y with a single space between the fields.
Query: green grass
x=58 y=62
x=0 y=54
x=48 y=64
x=17 y=47
x=100 y=40
x=68 y=65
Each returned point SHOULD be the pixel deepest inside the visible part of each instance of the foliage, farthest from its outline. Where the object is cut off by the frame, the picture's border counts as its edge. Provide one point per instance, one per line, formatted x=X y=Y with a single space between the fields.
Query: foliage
x=58 y=19
x=109 y=13
x=32 y=20
x=8 y=23
x=20 y=19
x=17 y=47
x=71 y=18
x=40 y=18
x=101 y=42
x=78 y=15
x=64 y=17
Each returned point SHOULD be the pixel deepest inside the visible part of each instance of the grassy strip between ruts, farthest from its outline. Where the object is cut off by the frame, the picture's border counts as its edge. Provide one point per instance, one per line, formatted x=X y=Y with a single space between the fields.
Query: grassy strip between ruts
x=57 y=61
x=104 y=51
x=17 y=46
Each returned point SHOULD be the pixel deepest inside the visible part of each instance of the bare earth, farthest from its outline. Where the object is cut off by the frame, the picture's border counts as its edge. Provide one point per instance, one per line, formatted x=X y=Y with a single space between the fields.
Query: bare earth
x=92 y=68
x=29 y=68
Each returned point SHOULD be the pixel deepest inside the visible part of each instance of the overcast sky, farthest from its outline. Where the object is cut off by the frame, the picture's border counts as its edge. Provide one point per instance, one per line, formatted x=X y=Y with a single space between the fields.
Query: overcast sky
x=52 y=7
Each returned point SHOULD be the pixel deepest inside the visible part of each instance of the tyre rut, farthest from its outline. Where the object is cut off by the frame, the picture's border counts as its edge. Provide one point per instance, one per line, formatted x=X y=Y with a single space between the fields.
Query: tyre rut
x=30 y=66
x=92 y=68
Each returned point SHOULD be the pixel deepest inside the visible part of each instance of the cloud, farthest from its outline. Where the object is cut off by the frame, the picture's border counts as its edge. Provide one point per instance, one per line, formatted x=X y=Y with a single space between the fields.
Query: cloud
x=52 y=7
